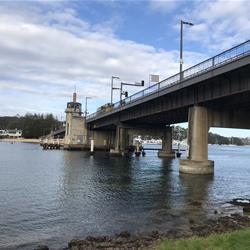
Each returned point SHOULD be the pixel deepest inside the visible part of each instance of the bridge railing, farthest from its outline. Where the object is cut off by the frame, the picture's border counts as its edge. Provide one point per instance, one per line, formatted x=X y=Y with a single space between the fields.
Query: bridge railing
x=213 y=62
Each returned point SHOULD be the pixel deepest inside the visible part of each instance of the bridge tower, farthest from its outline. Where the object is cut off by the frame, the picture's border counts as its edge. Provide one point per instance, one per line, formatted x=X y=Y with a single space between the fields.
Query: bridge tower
x=76 y=136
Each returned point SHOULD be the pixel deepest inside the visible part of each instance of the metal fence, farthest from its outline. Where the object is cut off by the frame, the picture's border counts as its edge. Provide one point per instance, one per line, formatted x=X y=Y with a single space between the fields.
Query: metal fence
x=213 y=62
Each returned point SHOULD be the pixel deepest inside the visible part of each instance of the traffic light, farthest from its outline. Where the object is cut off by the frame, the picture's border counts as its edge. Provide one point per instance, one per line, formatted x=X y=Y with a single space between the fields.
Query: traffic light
x=126 y=93
x=142 y=83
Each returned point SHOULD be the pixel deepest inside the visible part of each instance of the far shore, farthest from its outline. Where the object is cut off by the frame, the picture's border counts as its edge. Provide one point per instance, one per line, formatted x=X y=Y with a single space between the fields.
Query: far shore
x=25 y=140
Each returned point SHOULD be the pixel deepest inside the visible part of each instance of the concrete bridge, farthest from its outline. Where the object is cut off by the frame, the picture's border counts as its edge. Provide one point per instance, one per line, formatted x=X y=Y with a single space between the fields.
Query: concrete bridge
x=213 y=93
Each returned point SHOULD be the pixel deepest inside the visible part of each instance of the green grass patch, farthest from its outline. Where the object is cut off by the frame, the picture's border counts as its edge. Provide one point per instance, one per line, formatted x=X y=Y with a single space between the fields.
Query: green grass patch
x=236 y=240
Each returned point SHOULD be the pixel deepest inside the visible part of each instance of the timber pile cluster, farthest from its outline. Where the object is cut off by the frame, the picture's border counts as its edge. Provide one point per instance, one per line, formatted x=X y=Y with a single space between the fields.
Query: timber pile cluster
x=126 y=241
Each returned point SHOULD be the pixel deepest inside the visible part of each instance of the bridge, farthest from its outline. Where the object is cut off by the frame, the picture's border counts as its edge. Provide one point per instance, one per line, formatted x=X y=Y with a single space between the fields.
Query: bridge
x=213 y=93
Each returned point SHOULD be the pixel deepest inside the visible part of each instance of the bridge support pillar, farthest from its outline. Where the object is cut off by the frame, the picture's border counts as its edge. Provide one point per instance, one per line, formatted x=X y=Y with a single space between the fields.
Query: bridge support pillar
x=197 y=161
x=167 y=150
x=120 y=141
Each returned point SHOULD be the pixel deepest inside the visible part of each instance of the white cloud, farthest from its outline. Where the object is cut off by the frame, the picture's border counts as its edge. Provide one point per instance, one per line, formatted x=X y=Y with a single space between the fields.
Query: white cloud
x=44 y=53
x=220 y=24
x=164 y=6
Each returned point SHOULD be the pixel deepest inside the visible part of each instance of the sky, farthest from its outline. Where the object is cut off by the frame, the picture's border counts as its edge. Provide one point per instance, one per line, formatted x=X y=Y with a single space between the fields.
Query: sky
x=50 y=48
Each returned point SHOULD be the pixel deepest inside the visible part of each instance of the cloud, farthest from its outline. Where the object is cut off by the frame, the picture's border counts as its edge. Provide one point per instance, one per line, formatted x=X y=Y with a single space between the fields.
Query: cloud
x=219 y=24
x=163 y=6
x=46 y=52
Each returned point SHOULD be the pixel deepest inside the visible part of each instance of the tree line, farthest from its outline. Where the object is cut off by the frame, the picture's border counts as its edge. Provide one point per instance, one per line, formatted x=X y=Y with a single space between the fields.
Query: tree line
x=180 y=134
x=32 y=125
x=37 y=125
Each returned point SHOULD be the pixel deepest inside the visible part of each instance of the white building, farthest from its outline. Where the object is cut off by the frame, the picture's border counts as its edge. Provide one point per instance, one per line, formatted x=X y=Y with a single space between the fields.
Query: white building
x=12 y=133
x=3 y=133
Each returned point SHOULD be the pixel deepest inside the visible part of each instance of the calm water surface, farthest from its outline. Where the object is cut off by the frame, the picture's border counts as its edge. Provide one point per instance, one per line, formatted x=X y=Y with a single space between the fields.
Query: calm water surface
x=50 y=197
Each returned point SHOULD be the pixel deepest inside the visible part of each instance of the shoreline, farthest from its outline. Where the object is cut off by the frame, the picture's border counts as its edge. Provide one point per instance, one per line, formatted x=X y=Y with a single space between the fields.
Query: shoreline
x=23 y=140
x=152 y=241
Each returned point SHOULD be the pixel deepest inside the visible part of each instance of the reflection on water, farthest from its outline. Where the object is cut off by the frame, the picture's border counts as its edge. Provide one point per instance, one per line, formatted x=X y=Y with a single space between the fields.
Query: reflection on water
x=50 y=197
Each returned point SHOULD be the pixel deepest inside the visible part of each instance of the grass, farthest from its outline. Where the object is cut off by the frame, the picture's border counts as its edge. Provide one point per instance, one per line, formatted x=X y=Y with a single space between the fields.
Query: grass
x=236 y=240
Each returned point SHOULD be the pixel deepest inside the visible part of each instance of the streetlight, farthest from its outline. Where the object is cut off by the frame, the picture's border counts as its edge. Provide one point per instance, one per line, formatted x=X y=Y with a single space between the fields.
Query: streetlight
x=181 y=45
x=86 y=105
x=112 y=87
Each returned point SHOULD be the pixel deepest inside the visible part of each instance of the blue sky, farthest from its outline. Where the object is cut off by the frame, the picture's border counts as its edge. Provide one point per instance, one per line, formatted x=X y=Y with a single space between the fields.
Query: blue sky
x=48 y=47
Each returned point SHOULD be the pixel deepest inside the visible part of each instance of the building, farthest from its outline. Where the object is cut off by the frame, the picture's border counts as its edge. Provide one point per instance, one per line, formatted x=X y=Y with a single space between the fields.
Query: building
x=11 y=133
x=75 y=131
x=3 y=133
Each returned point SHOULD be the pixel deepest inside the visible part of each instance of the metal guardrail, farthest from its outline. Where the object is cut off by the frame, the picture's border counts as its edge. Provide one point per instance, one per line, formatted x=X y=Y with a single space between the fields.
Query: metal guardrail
x=213 y=62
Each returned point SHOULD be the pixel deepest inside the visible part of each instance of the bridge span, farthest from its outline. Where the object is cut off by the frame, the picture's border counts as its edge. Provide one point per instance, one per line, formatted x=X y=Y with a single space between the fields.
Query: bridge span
x=213 y=93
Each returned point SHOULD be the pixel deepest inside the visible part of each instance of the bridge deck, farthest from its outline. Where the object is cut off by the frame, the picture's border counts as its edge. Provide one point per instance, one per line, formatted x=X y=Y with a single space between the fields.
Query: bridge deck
x=228 y=60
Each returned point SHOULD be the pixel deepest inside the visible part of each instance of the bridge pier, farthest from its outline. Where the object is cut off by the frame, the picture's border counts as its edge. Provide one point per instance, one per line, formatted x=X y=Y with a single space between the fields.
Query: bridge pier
x=120 y=141
x=166 y=150
x=197 y=161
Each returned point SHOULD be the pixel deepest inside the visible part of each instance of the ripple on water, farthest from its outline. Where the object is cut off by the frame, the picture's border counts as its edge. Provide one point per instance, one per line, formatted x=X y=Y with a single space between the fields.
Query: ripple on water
x=49 y=197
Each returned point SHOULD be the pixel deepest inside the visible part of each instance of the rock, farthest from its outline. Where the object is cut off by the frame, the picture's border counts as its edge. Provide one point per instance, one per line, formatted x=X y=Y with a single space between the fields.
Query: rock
x=90 y=238
x=196 y=203
x=41 y=247
x=191 y=221
x=124 y=234
x=155 y=234
x=246 y=209
x=240 y=202
x=77 y=244
x=173 y=233
x=126 y=241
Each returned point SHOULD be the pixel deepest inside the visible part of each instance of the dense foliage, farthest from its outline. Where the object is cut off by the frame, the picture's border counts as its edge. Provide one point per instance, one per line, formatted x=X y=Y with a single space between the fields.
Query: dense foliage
x=32 y=125
x=181 y=134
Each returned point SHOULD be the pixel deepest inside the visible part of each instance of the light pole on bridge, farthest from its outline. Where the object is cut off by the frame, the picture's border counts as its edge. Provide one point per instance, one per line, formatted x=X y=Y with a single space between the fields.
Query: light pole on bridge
x=181 y=45
x=86 y=105
x=112 y=87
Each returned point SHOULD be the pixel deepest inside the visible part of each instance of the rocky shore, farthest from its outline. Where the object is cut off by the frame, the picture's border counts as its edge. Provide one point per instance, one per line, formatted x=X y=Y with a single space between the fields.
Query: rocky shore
x=125 y=240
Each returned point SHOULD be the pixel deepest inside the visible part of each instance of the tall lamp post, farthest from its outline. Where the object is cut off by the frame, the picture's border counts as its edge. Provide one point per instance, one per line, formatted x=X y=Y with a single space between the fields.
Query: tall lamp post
x=181 y=45
x=112 y=87
x=86 y=105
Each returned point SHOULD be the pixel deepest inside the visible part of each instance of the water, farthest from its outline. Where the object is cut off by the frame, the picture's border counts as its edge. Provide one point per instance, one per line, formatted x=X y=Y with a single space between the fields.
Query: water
x=50 y=197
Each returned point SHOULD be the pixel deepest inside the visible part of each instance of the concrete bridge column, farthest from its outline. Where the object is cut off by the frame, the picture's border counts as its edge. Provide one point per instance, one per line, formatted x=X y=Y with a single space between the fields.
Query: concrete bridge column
x=120 y=141
x=167 y=150
x=197 y=161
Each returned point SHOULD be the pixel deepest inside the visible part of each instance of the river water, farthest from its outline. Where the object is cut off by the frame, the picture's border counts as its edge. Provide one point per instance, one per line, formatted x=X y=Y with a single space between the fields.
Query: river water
x=50 y=197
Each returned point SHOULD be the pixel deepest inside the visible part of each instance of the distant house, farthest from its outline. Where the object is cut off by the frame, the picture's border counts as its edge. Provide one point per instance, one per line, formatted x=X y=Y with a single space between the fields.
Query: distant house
x=3 y=133
x=11 y=133
x=14 y=133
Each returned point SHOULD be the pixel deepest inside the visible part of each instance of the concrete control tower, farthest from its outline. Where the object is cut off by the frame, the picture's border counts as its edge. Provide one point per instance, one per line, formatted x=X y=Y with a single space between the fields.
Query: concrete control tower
x=76 y=132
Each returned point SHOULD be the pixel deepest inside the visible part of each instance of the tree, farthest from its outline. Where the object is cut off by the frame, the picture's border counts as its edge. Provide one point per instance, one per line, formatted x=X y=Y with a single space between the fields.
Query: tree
x=32 y=125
